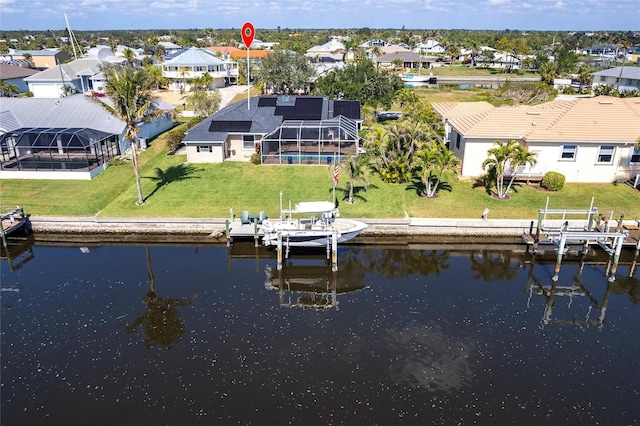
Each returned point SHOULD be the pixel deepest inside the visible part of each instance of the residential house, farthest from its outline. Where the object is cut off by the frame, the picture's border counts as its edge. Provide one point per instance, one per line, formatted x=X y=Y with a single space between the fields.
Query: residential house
x=430 y=47
x=627 y=78
x=15 y=75
x=70 y=138
x=332 y=51
x=375 y=42
x=281 y=129
x=43 y=59
x=406 y=59
x=585 y=139
x=169 y=47
x=193 y=63
x=236 y=55
x=79 y=76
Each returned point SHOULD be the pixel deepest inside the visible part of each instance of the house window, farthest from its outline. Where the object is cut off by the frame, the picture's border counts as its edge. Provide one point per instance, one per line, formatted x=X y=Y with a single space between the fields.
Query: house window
x=204 y=148
x=458 y=141
x=635 y=156
x=605 y=154
x=247 y=141
x=569 y=152
x=603 y=78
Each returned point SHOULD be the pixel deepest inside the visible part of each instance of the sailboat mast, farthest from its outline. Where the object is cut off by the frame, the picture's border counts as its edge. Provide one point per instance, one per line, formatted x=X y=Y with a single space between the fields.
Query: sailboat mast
x=71 y=37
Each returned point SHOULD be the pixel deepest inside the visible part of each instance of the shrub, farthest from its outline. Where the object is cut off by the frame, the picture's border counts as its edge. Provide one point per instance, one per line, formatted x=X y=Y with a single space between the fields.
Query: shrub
x=552 y=181
x=174 y=138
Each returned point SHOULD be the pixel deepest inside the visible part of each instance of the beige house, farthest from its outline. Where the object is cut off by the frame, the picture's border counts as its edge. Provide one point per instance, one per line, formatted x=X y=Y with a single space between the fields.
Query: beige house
x=585 y=139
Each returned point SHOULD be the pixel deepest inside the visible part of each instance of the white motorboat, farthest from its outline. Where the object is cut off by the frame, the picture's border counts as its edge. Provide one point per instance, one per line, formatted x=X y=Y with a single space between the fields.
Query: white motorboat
x=310 y=224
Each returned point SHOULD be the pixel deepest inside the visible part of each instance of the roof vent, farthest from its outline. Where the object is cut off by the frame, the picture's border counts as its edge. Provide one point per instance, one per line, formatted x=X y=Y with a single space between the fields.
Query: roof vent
x=605 y=102
x=533 y=113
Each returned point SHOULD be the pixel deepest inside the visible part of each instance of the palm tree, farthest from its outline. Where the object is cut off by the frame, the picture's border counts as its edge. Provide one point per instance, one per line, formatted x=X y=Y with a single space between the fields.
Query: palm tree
x=624 y=44
x=584 y=76
x=184 y=73
x=520 y=157
x=433 y=161
x=130 y=92
x=356 y=174
x=129 y=55
x=499 y=159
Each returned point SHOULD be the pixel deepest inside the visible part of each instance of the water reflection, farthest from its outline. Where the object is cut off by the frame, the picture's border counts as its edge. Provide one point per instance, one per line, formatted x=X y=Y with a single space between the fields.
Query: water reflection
x=161 y=320
x=18 y=252
x=440 y=335
x=311 y=286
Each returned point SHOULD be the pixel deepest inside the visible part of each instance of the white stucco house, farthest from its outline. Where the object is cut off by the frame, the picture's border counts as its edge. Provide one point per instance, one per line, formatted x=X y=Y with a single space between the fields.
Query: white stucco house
x=332 y=51
x=193 y=63
x=586 y=139
x=627 y=78
x=82 y=75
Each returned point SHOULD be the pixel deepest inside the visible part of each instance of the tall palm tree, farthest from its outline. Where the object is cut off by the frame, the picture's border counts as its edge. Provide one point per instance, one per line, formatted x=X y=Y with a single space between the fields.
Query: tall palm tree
x=624 y=44
x=129 y=55
x=434 y=160
x=356 y=174
x=130 y=92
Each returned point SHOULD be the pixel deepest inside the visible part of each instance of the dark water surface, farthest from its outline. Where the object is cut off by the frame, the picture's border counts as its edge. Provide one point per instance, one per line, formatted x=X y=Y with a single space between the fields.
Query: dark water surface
x=191 y=335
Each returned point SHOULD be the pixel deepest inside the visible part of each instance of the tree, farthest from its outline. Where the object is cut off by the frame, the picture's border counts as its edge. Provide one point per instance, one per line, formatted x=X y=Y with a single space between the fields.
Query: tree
x=356 y=174
x=204 y=103
x=285 y=73
x=8 y=89
x=130 y=92
x=129 y=55
x=432 y=162
x=184 y=72
x=505 y=155
x=584 y=76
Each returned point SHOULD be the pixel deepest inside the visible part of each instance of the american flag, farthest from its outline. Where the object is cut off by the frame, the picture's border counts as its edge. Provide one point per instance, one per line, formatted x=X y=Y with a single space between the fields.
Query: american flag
x=336 y=174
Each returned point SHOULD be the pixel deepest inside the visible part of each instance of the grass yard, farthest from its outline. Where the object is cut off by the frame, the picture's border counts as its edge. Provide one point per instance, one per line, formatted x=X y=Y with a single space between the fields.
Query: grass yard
x=211 y=190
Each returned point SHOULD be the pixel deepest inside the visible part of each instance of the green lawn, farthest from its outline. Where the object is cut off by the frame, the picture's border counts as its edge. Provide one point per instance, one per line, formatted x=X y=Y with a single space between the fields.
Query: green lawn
x=210 y=190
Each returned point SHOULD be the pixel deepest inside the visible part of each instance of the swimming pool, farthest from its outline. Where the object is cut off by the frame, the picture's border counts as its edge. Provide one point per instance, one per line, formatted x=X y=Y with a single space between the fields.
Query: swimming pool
x=297 y=157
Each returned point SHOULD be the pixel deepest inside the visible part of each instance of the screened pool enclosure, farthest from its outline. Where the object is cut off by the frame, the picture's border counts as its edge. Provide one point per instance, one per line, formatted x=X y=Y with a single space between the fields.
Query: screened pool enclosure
x=56 y=149
x=310 y=142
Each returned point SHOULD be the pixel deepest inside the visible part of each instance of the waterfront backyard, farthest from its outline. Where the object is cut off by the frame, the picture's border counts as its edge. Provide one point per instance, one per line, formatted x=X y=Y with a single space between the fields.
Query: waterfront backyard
x=173 y=188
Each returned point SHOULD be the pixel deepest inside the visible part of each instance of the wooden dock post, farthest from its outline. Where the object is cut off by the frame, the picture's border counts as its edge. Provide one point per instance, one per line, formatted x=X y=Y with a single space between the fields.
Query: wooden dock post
x=279 y=250
x=334 y=251
x=563 y=240
x=255 y=233
x=227 y=232
x=616 y=258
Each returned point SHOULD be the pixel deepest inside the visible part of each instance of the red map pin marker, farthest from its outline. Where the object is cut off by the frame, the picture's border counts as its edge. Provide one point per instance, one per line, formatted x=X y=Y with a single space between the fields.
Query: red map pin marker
x=248 y=32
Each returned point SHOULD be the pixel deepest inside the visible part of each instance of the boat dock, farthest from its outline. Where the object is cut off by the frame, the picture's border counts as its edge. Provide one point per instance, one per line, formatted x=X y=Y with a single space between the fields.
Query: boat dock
x=13 y=222
x=583 y=227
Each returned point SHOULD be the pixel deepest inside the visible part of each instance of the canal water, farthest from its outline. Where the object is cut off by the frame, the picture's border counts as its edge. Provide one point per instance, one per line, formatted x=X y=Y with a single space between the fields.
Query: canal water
x=196 y=334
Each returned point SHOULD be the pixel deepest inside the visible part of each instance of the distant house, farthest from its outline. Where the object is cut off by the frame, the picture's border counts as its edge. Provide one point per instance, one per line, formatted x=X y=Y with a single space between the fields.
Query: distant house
x=406 y=59
x=234 y=54
x=430 y=47
x=586 y=139
x=169 y=47
x=66 y=138
x=332 y=51
x=79 y=76
x=15 y=75
x=43 y=59
x=281 y=129
x=374 y=42
x=629 y=80
x=193 y=63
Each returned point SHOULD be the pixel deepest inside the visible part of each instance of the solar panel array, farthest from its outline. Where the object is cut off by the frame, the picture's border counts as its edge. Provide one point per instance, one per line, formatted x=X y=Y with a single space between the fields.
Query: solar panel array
x=230 y=126
x=267 y=101
x=349 y=109
x=305 y=108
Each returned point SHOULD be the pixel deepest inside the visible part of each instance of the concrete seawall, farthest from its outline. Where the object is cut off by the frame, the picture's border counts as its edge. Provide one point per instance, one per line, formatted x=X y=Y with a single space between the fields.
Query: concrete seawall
x=215 y=227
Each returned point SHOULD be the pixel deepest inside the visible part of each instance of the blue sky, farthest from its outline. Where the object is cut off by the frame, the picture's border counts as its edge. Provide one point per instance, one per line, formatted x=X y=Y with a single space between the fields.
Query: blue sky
x=578 y=15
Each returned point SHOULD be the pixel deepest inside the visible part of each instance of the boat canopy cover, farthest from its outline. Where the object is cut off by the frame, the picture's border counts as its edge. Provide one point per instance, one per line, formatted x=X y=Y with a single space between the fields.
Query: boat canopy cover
x=314 y=207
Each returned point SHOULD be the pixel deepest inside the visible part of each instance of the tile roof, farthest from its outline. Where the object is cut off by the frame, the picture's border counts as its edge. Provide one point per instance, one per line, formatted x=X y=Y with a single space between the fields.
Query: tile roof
x=596 y=119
